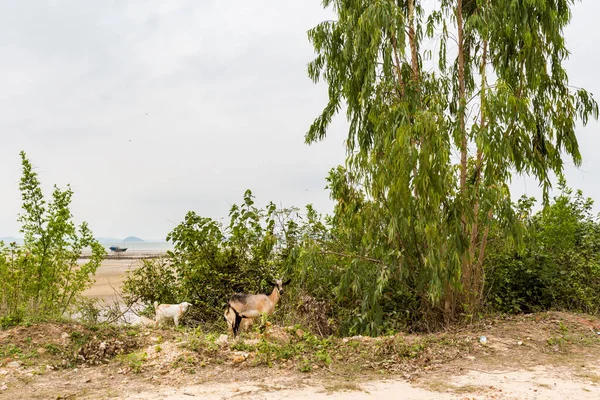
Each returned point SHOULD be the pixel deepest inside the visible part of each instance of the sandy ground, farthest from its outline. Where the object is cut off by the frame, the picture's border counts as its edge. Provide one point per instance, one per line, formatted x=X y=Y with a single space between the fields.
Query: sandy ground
x=109 y=278
x=390 y=390
x=537 y=383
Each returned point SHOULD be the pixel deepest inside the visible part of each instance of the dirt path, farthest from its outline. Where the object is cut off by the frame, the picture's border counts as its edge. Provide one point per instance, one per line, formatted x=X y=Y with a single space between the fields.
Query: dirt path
x=390 y=390
x=541 y=383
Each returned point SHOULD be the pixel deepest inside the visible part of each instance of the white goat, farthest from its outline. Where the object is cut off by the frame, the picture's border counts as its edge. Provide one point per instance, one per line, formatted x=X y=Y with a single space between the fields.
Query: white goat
x=249 y=306
x=170 y=311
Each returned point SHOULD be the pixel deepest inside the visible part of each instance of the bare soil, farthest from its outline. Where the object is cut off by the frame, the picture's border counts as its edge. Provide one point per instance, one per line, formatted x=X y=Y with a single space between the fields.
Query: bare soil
x=542 y=356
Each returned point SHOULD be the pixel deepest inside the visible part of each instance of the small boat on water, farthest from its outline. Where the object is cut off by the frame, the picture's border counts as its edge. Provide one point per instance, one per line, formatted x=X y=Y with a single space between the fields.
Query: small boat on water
x=117 y=249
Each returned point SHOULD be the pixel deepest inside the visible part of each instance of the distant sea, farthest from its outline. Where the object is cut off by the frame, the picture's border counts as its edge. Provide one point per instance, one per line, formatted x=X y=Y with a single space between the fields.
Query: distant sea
x=137 y=247
x=140 y=246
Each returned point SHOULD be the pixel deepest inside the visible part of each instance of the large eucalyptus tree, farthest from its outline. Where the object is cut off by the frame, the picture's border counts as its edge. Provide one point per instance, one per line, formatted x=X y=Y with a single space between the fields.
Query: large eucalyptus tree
x=444 y=106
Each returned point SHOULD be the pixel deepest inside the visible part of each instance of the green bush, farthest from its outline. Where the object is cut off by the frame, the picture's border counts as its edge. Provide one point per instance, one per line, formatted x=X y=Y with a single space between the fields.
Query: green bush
x=560 y=265
x=334 y=289
x=42 y=278
x=153 y=281
x=341 y=286
x=210 y=261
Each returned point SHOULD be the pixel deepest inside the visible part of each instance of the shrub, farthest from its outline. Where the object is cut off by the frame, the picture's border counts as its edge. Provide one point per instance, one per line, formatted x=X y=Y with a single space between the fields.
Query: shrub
x=43 y=277
x=560 y=265
x=211 y=261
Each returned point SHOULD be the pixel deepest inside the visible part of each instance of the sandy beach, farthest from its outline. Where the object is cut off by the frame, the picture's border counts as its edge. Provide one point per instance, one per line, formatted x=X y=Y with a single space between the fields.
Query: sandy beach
x=110 y=277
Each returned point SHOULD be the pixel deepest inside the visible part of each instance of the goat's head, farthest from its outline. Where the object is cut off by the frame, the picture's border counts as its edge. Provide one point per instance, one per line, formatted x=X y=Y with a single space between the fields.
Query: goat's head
x=184 y=306
x=280 y=283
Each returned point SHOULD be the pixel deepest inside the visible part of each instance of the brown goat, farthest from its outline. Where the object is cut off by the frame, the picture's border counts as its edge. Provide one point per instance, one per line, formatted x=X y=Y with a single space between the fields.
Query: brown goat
x=244 y=323
x=242 y=307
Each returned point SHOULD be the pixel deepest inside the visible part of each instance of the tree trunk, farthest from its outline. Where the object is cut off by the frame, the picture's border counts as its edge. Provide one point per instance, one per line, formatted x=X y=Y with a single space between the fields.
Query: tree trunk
x=414 y=60
x=461 y=98
x=475 y=286
x=466 y=264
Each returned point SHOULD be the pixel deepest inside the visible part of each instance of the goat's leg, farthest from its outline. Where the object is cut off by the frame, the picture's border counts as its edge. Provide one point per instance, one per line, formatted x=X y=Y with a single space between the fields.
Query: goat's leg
x=236 y=325
x=176 y=321
x=246 y=324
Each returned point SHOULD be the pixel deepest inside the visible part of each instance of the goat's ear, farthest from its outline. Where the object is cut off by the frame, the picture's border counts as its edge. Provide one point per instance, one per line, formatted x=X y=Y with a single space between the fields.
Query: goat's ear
x=287 y=282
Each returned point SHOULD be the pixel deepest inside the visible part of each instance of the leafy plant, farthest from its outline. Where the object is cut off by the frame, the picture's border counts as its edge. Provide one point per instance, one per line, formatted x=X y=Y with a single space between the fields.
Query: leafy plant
x=211 y=261
x=432 y=144
x=43 y=277
x=560 y=265
x=134 y=360
x=153 y=281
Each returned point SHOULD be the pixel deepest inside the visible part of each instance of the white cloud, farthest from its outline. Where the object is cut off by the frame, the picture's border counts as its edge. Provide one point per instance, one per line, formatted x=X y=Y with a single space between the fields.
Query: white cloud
x=151 y=108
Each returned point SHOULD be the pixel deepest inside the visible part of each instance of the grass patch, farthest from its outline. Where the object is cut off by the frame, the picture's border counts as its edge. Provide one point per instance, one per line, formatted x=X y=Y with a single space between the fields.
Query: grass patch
x=134 y=361
x=438 y=386
x=444 y=387
x=10 y=350
x=79 y=338
x=242 y=346
x=562 y=343
x=589 y=376
x=15 y=352
x=309 y=353
x=544 y=385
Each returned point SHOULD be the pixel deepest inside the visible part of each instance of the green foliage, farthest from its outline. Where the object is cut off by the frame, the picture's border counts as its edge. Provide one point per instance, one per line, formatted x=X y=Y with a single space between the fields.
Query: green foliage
x=305 y=366
x=560 y=265
x=79 y=338
x=153 y=281
x=203 y=343
x=11 y=320
x=89 y=311
x=336 y=289
x=412 y=220
x=135 y=361
x=335 y=279
x=52 y=348
x=211 y=261
x=43 y=277
x=306 y=349
x=10 y=350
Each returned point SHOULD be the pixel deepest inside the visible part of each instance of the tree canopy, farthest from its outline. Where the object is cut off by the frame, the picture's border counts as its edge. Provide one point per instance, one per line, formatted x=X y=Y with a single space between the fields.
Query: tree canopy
x=434 y=137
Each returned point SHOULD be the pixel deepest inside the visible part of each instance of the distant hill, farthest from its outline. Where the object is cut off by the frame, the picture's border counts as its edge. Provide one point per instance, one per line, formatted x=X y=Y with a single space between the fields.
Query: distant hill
x=130 y=239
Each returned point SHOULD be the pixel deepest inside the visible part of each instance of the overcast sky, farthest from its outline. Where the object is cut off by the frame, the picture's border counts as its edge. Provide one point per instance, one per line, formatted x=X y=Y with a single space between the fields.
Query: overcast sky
x=150 y=109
